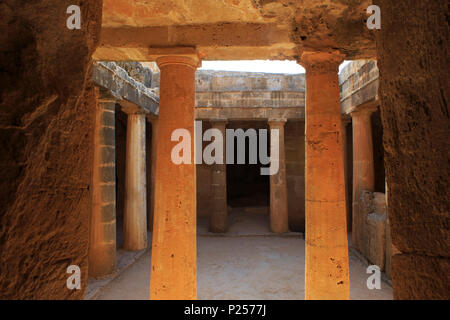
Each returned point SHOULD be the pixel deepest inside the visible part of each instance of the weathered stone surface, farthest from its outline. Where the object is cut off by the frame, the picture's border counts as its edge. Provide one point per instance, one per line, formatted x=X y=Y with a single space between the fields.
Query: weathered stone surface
x=359 y=85
x=249 y=113
x=414 y=98
x=236 y=29
x=46 y=127
x=249 y=95
x=372 y=220
x=119 y=84
x=376 y=239
x=138 y=72
x=206 y=80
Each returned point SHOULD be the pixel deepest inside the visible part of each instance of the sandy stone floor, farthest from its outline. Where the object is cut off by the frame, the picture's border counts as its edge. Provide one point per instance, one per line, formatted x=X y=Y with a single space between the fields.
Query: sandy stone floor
x=245 y=264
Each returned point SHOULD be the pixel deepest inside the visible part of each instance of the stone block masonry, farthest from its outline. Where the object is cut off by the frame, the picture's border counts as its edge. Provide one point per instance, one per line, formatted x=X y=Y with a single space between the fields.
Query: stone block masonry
x=102 y=249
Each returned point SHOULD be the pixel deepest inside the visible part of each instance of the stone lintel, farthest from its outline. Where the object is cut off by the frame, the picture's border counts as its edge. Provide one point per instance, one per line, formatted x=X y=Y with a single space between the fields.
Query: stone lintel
x=244 y=113
x=277 y=121
x=120 y=86
x=365 y=94
x=218 y=120
x=106 y=95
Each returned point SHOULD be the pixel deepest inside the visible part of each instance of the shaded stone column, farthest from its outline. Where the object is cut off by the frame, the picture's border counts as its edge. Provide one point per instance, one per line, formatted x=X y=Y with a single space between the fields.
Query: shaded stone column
x=219 y=210
x=278 y=186
x=135 y=215
x=174 y=250
x=151 y=206
x=326 y=254
x=348 y=202
x=102 y=246
x=363 y=168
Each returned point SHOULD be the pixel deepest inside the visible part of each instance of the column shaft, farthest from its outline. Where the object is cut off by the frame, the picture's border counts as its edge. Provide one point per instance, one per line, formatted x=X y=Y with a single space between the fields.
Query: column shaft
x=135 y=216
x=102 y=246
x=152 y=174
x=347 y=169
x=363 y=169
x=278 y=186
x=174 y=251
x=326 y=254
x=219 y=212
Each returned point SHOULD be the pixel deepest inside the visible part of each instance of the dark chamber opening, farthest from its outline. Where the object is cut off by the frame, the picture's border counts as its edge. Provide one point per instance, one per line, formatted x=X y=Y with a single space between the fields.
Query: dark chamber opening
x=246 y=187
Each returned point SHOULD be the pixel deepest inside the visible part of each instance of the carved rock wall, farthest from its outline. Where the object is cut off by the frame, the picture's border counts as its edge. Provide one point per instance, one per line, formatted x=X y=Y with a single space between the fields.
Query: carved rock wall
x=47 y=110
x=413 y=54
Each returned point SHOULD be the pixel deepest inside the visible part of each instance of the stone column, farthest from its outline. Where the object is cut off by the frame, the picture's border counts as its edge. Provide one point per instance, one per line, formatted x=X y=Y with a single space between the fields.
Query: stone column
x=219 y=210
x=174 y=250
x=348 y=202
x=102 y=246
x=363 y=168
x=326 y=254
x=151 y=209
x=278 y=186
x=135 y=215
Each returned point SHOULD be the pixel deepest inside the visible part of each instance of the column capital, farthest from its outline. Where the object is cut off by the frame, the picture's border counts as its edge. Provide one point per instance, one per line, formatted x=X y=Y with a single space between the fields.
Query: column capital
x=152 y=118
x=131 y=108
x=187 y=56
x=321 y=62
x=345 y=119
x=364 y=110
x=276 y=122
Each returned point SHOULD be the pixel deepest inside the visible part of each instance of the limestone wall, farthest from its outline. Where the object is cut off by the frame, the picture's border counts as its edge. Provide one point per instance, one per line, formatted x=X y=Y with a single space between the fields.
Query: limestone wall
x=221 y=89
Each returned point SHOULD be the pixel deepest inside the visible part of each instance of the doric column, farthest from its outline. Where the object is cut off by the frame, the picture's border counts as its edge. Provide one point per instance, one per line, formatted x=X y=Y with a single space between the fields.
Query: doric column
x=363 y=167
x=151 y=205
x=278 y=188
x=102 y=246
x=326 y=255
x=174 y=251
x=135 y=215
x=219 y=210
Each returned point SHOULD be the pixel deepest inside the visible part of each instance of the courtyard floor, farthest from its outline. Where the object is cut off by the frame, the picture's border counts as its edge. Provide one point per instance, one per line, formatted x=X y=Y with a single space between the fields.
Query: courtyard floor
x=248 y=262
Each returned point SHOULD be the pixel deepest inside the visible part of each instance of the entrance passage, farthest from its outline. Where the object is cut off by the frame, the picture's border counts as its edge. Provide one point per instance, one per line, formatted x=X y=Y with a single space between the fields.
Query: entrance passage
x=246 y=187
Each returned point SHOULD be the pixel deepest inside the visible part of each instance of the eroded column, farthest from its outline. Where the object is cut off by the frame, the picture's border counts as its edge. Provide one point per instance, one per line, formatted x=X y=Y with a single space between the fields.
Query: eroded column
x=219 y=208
x=363 y=167
x=102 y=246
x=326 y=255
x=173 y=262
x=135 y=215
x=278 y=187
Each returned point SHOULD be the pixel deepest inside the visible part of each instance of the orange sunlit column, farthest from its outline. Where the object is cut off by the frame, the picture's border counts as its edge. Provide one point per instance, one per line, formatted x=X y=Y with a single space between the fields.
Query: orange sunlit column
x=327 y=264
x=173 y=262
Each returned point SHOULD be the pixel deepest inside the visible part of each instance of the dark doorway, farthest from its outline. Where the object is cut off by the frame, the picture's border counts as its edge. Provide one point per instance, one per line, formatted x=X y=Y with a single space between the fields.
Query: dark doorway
x=121 y=146
x=246 y=187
